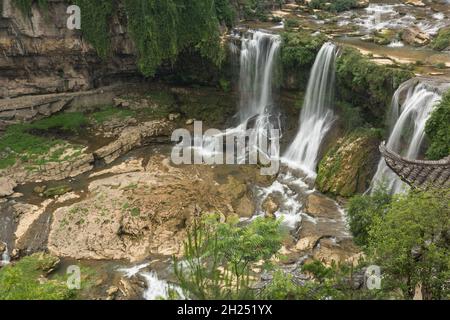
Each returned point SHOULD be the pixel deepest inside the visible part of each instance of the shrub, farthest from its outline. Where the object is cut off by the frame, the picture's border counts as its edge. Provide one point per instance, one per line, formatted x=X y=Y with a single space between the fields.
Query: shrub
x=442 y=41
x=218 y=257
x=411 y=244
x=363 y=209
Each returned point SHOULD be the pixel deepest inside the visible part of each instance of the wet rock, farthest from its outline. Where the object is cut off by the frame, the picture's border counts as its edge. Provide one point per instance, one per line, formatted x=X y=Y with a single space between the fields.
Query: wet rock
x=131 y=165
x=27 y=214
x=15 y=254
x=133 y=137
x=112 y=292
x=415 y=37
x=132 y=215
x=320 y=206
x=174 y=116
x=40 y=190
x=331 y=251
x=270 y=207
x=2 y=248
x=416 y=3
x=361 y=4
x=7 y=186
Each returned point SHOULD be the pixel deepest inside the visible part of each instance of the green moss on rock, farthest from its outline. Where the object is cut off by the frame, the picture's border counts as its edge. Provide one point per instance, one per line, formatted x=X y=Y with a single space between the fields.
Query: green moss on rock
x=348 y=167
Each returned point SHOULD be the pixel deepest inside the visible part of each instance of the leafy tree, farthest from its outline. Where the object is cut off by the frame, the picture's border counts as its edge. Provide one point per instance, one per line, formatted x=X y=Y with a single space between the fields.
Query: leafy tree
x=438 y=130
x=411 y=244
x=363 y=209
x=218 y=257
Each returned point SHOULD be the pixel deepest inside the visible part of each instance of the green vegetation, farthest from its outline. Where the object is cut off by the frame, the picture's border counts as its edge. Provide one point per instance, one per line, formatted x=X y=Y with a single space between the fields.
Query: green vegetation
x=109 y=112
x=334 y=6
x=218 y=257
x=162 y=29
x=438 y=130
x=67 y=121
x=298 y=54
x=407 y=236
x=442 y=41
x=362 y=210
x=19 y=142
x=411 y=245
x=25 y=5
x=96 y=16
x=24 y=280
x=367 y=85
x=225 y=12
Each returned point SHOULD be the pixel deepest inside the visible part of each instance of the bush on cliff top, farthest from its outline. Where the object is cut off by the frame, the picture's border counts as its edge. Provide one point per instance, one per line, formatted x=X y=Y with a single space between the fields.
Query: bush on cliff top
x=438 y=130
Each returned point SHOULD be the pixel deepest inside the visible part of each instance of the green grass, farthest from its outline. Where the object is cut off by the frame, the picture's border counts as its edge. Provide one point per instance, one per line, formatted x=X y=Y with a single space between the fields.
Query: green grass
x=71 y=121
x=21 y=281
x=110 y=112
x=18 y=142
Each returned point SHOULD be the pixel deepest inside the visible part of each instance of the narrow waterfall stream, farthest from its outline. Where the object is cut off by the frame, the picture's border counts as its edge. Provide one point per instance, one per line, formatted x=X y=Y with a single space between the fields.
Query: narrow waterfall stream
x=5 y=258
x=407 y=122
x=317 y=114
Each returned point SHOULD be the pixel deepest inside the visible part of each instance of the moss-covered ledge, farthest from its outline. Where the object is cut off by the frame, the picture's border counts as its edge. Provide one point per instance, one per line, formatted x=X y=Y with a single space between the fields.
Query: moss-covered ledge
x=349 y=166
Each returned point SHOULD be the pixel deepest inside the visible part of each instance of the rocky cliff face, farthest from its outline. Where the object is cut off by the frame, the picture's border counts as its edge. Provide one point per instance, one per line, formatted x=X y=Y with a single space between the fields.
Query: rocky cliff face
x=40 y=55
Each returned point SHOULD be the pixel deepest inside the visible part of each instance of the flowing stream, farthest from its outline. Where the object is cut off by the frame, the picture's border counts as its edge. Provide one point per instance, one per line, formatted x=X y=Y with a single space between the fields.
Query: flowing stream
x=317 y=114
x=407 y=121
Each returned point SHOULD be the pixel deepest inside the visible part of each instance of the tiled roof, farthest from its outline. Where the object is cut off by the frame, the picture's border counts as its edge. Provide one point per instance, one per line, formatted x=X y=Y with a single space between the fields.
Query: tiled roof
x=418 y=173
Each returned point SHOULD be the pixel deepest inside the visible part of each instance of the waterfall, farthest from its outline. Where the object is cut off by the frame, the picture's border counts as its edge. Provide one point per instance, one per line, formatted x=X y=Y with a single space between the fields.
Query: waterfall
x=407 y=122
x=258 y=63
x=317 y=114
x=5 y=258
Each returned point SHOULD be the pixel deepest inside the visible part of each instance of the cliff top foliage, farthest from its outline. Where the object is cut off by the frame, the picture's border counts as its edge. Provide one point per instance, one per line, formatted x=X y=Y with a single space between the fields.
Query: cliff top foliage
x=438 y=130
x=367 y=85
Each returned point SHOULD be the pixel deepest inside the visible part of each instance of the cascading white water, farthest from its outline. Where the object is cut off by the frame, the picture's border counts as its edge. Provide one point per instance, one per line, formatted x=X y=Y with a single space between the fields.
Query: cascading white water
x=258 y=62
x=317 y=114
x=5 y=258
x=407 y=122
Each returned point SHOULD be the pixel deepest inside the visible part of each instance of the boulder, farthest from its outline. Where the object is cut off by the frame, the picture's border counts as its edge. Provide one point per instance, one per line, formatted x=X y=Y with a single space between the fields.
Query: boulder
x=415 y=37
x=270 y=207
x=7 y=186
x=415 y=3
x=349 y=166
